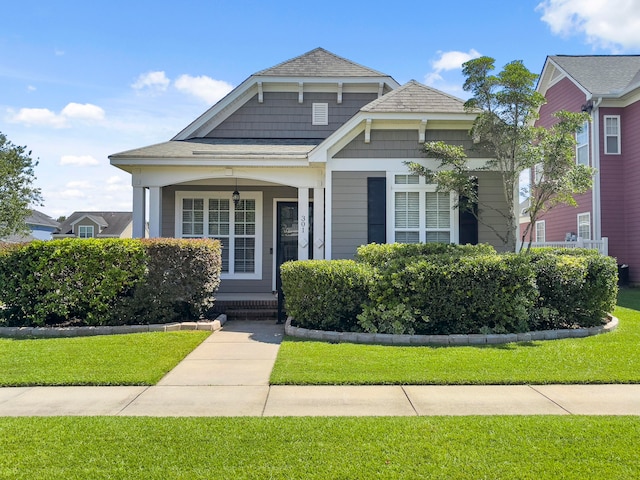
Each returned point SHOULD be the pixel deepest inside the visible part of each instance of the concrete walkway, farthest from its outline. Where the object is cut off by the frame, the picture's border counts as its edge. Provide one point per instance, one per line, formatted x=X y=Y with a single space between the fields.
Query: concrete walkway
x=228 y=375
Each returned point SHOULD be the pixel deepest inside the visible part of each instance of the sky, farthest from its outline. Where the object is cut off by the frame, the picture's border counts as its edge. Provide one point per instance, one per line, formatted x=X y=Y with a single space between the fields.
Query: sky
x=81 y=80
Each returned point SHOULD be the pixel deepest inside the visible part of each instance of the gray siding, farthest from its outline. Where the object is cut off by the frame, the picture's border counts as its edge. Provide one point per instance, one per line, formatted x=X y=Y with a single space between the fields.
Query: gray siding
x=403 y=144
x=281 y=116
x=269 y=193
x=491 y=192
x=349 y=217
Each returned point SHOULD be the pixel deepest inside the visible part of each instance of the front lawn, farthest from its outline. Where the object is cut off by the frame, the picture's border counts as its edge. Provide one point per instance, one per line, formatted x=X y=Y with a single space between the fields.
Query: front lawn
x=607 y=358
x=536 y=447
x=133 y=359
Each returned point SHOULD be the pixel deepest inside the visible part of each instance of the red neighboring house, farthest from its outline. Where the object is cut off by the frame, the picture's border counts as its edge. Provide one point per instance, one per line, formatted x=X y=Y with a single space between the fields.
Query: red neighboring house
x=608 y=87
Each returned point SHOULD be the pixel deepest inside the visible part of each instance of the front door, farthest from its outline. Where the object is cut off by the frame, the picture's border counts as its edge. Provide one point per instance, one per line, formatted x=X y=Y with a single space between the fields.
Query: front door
x=287 y=234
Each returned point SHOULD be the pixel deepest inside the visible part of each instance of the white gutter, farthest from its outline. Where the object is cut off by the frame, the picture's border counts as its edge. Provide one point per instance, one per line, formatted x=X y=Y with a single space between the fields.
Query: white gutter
x=595 y=190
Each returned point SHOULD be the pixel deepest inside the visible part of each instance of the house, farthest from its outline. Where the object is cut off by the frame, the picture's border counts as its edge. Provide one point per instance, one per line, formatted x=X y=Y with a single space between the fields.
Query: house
x=41 y=227
x=608 y=87
x=96 y=225
x=306 y=160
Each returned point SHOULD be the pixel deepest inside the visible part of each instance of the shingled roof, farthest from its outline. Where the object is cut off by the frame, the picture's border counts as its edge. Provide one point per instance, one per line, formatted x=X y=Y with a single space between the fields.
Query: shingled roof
x=414 y=97
x=115 y=222
x=602 y=74
x=319 y=63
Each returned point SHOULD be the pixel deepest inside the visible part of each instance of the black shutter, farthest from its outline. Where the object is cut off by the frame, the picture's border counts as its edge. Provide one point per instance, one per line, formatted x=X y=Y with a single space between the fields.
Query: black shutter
x=468 y=223
x=377 y=210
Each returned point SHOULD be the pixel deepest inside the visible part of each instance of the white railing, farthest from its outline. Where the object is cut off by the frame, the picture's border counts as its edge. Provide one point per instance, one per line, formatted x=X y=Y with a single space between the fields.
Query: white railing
x=601 y=245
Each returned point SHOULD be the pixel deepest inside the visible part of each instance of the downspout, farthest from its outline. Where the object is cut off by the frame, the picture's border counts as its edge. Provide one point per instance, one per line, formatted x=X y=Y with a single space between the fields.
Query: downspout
x=595 y=190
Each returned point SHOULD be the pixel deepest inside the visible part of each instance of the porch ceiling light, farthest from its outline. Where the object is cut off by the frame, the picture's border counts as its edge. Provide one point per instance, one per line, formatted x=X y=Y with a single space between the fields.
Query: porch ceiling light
x=235 y=196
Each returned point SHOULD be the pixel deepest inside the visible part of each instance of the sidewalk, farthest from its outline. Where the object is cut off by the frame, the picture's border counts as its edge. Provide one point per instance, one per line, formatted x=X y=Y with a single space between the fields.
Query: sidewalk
x=228 y=375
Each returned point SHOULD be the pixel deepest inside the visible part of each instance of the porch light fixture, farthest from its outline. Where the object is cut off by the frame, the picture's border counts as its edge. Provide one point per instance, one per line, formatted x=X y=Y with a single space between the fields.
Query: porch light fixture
x=235 y=196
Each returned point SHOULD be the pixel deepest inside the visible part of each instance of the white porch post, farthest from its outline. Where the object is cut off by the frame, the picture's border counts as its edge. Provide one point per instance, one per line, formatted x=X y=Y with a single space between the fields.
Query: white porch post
x=139 y=208
x=318 y=223
x=303 y=223
x=155 y=212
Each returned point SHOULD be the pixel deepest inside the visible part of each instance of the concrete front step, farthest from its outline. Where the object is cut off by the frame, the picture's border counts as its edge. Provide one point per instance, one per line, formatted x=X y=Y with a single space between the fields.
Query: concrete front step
x=252 y=314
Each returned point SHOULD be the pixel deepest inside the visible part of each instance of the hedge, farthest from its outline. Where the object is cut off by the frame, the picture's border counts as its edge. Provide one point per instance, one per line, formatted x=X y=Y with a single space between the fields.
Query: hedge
x=107 y=281
x=445 y=289
x=325 y=294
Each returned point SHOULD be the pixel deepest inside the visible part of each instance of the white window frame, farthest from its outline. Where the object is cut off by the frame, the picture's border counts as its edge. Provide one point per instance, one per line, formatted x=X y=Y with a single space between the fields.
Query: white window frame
x=87 y=229
x=617 y=135
x=582 y=144
x=581 y=221
x=320 y=114
x=538 y=172
x=206 y=196
x=541 y=227
x=422 y=188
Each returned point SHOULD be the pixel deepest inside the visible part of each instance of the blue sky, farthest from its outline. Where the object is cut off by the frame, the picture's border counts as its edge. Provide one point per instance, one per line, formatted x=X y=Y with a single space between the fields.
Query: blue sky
x=82 y=80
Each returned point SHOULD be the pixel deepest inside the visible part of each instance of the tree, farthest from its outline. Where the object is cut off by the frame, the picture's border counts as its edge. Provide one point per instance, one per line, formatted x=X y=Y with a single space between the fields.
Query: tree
x=17 y=192
x=557 y=177
x=507 y=106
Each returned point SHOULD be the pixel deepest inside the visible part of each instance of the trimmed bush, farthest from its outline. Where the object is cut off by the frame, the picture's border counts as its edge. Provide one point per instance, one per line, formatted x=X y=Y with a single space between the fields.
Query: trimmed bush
x=181 y=278
x=70 y=280
x=478 y=294
x=576 y=288
x=107 y=281
x=381 y=255
x=325 y=294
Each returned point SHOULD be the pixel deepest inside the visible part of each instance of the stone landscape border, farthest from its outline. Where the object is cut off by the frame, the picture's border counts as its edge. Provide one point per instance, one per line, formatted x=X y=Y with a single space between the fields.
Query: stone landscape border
x=54 y=332
x=441 y=340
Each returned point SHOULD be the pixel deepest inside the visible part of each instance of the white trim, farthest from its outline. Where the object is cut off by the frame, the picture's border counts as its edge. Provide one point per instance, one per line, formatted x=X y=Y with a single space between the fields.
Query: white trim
x=422 y=187
x=206 y=195
x=583 y=130
x=88 y=228
x=618 y=136
x=543 y=224
x=588 y=215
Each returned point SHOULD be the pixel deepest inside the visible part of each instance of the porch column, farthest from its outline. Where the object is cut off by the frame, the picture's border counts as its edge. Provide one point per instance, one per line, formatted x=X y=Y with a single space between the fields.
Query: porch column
x=155 y=212
x=139 y=208
x=303 y=224
x=318 y=223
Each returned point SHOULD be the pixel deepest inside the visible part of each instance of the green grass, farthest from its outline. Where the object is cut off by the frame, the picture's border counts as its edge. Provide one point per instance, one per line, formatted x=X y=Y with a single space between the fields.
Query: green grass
x=607 y=358
x=134 y=359
x=320 y=448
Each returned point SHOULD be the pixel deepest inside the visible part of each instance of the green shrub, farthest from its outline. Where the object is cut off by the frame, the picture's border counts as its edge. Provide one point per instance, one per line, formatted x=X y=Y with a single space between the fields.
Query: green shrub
x=68 y=280
x=325 y=294
x=575 y=288
x=439 y=296
x=381 y=255
x=108 y=281
x=181 y=278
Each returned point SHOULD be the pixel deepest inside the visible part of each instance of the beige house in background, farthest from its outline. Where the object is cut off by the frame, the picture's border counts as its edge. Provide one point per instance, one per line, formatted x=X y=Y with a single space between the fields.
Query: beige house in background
x=306 y=159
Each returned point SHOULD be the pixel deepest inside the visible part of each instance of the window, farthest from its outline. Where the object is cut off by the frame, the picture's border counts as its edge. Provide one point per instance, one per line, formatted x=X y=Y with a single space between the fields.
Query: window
x=320 y=115
x=584 y=226
x=239 y=228
x=420 y=214
x=540 y=231
x=612 y=134
x=537 y=173
x=85 y=231
x=582 y=145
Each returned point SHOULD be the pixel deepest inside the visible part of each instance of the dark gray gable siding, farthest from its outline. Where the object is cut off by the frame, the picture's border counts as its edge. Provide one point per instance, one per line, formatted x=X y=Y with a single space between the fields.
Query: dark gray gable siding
x=281 y=116
x=403 y=144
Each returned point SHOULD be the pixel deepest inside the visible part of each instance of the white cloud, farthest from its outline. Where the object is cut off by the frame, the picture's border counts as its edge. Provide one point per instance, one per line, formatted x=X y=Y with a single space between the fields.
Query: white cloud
x=612 y=24
x=152 y=81
x=78 y=160
x=453 y=60
x=47 y=118
x=31 y=88
x=86 y=111
x=37 y=117
x=79 y=184
x=72 y=193
x=203 y=87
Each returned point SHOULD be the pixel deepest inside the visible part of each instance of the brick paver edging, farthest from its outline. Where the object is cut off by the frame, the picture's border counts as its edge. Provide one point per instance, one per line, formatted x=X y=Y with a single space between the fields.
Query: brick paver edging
x=470 y=339
x=52 y=332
